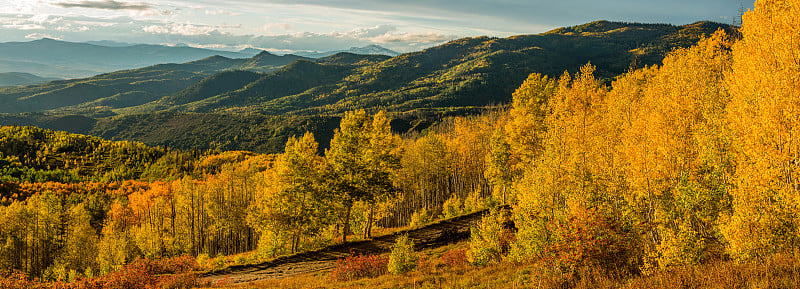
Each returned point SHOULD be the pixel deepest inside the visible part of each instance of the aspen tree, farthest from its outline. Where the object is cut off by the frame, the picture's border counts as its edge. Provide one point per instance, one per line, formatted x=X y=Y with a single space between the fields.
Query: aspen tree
x=765 y=117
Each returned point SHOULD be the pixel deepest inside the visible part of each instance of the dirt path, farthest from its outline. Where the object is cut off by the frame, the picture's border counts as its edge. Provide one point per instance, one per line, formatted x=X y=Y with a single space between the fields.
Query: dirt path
x=431 y=236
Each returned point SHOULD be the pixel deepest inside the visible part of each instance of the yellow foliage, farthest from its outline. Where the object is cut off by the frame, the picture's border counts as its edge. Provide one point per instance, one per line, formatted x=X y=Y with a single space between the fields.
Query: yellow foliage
x=764 y=110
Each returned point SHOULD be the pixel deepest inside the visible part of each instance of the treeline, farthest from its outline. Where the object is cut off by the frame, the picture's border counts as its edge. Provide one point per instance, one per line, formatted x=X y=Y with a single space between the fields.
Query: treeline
x=55 y=230
x=30 y=154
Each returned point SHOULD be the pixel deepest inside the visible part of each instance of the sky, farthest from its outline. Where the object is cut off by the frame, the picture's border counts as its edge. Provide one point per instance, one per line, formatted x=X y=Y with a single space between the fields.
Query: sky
x=324 y=25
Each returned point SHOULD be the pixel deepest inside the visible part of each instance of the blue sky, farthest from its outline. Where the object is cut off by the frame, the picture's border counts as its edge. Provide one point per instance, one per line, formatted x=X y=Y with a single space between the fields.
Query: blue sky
x=319 y=25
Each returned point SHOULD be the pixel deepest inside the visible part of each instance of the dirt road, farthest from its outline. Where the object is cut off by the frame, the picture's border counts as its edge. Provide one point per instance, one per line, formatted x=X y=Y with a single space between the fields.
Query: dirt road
x=430 y=236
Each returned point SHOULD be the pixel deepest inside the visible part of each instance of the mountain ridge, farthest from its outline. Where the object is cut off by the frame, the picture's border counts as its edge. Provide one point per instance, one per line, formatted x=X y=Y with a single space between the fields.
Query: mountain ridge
x=456 y=78
x=87 y=59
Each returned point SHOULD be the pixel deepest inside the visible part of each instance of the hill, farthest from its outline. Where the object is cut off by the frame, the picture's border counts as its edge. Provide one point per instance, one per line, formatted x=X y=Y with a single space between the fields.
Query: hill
x=21 y=78
x=464 y=73
x=129 y=88
x=451 y=79
x=62 y=59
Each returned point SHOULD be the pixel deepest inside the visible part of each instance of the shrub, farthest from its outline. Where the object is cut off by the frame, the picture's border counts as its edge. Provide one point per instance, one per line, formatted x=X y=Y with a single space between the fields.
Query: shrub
x=142 y=273
x=475 y=202
x=455 y=257
x=424 y=263
x=16 y=279
x=489 y=239
x=590 y=239
x=420 y=218
x=357 y=267
x=532 y=236
x=452 y=207
x=403 y=258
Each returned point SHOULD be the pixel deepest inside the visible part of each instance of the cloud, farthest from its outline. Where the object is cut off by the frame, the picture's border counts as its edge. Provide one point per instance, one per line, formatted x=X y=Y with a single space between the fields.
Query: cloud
x=106 y=5
x=281 y=26
x=44 y=19
x=40 y=36
x=372 y=31
x=179 y=29
x=221 y=12
x=429 y=37
x=24 y=26
x=71 y=28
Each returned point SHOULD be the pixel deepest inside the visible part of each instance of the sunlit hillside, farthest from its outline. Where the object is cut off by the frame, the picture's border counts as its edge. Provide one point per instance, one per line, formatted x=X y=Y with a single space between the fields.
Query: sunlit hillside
x=675 y=173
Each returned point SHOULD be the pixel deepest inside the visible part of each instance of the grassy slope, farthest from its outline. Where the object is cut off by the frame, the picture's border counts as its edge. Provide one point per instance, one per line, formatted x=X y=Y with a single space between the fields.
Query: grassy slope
x=777 y=271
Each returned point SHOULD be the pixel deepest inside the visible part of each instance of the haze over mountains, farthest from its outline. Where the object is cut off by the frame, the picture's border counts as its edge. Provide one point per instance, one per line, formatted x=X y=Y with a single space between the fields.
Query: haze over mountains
x=21 y=78
x=220 y=98
x=50 y=58
x=366 y=50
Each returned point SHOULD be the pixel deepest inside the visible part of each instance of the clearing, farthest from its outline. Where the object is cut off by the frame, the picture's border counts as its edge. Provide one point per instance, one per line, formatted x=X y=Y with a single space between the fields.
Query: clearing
x=434 y=235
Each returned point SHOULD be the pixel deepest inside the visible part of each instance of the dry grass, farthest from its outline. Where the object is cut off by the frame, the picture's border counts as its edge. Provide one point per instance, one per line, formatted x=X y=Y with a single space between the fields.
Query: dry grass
x=777 y=271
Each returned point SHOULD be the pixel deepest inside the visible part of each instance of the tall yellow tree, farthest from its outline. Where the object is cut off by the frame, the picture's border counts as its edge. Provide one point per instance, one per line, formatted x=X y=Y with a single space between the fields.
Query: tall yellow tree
x=674 y=149
x=765 y=115
x=293 y=201
x=361 y=162
x=517 y=141
x=568 y=174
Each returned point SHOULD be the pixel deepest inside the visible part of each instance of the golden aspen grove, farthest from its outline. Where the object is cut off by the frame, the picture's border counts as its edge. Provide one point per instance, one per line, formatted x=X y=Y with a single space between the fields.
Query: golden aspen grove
x=684 y=174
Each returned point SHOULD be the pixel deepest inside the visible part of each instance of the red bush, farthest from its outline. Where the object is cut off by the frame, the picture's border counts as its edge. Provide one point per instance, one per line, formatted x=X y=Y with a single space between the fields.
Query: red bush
x=142 y=273
x=424 y=263
x=16 y=279
x=357 y=267
x=455 y=257
x=590 y=239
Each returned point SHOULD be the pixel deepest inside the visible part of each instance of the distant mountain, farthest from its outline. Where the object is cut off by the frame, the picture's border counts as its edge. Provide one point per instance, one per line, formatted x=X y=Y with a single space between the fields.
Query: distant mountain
x=461 y=74
x=126 y=90
x=251 y=51
x=20 y=79
x=366 y=50
x=266 y=61
x=455 y=78
x=49 y=57
x=110 y=43
x=43 y=70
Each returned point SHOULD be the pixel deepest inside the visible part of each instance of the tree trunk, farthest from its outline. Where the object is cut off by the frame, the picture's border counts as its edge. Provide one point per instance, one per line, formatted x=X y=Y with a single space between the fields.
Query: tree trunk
x=368 y=228
x=346 y=223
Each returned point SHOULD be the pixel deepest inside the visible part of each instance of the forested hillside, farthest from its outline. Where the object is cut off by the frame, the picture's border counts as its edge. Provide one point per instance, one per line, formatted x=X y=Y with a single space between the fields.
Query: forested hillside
x=21 y=79
x=456 y=78
x=617 y=175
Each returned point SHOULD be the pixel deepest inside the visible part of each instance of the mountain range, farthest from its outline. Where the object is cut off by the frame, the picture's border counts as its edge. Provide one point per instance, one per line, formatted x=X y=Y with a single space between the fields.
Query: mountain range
x=366 y=50
x=221 y=94
x=50 y=58
x=61 y=59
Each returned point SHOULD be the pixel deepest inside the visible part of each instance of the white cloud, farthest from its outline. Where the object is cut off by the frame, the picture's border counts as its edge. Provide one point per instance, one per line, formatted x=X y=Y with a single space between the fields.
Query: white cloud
x=429 y=37
x=94 y=23
x=157 y=29
x=281 y=26
x=372 y=31
x=24 y=26
x=106 y=5
x=222 y=12
x=40 y=36
x=72 y=28
x=179 y=29
x=44 y=19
